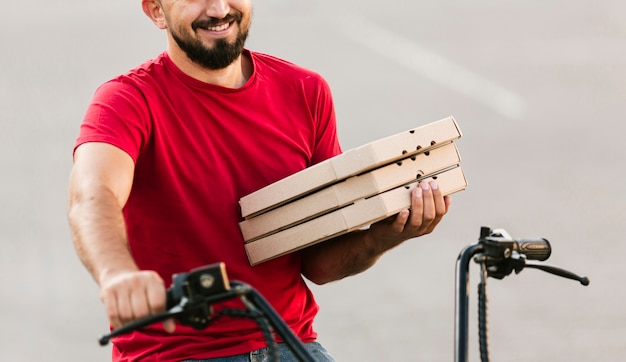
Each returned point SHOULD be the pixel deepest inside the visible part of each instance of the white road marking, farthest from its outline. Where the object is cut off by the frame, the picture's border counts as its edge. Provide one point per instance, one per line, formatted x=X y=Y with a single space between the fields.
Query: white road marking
x=431 y=65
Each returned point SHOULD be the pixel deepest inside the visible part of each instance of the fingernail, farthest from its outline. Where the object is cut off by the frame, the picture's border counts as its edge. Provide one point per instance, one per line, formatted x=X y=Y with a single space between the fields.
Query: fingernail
x=434 y=185
x=425 y=186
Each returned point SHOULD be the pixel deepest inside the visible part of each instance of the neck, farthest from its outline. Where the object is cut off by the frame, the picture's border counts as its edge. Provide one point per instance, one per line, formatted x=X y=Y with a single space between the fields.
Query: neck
x=233 y=76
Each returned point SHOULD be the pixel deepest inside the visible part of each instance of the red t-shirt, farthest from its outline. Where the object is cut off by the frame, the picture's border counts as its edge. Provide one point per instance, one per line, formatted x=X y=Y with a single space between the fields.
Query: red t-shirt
x=198 y=148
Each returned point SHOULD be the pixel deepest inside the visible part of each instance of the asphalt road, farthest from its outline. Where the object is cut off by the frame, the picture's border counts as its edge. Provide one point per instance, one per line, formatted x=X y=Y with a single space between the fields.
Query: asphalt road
x=537 y=88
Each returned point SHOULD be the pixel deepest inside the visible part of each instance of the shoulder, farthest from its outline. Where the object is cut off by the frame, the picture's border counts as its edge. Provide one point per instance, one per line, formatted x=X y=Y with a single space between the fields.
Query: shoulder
x=137 y=81
x=265 y=63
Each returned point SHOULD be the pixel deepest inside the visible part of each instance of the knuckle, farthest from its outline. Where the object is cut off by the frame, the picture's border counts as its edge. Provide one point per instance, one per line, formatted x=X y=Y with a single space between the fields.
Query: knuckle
x=416 y=224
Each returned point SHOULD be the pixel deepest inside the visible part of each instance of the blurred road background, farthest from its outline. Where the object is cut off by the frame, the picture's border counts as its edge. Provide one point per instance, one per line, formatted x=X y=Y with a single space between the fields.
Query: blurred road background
x=537 y=87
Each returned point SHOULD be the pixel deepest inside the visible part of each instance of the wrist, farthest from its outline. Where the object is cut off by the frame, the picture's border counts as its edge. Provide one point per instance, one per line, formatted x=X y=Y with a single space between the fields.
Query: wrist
x=113 y=271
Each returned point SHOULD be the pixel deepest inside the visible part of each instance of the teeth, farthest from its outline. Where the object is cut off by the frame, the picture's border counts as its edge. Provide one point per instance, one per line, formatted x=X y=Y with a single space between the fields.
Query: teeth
x=218 y=28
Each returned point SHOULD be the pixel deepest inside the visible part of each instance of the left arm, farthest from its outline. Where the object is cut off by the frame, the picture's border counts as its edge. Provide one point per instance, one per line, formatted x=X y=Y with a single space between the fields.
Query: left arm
x=355 y=252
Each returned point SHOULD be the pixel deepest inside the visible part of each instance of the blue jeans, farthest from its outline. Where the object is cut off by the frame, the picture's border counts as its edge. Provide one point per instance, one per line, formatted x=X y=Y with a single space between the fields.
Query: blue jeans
x=284 y=354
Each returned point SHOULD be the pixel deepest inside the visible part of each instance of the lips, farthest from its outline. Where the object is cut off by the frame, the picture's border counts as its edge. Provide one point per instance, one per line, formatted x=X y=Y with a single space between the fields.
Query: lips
x=214 y=24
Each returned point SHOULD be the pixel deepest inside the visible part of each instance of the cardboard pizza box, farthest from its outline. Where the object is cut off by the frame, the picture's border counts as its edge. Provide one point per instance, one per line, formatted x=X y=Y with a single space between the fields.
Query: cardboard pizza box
x=355 y=216
x=352 y=162
x=340 y=194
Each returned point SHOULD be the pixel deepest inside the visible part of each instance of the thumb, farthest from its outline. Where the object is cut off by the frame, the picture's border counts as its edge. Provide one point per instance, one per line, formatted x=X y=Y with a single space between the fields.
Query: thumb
x=169 y=325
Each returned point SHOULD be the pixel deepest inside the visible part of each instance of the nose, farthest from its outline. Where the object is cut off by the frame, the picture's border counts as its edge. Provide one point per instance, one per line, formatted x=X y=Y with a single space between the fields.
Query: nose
x=217 y=8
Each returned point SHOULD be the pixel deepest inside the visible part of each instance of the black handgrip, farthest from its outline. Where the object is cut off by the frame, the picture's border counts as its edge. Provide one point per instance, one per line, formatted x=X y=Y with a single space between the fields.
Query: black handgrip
x=170 y=299
x=534 y=249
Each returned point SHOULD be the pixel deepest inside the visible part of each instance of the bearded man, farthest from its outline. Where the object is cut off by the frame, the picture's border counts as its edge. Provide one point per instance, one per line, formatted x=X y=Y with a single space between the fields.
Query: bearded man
x=164 y=153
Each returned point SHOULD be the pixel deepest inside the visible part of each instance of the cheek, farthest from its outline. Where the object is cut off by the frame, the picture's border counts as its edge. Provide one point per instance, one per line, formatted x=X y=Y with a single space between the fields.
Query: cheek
x=184 y=12
x=180 y=31
x=178 y=24
x=241 y=4
x=246 y=21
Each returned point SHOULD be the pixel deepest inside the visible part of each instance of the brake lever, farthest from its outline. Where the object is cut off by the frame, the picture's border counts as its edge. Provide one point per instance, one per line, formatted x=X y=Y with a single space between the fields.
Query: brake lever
x=141 y=323
x=558 y=271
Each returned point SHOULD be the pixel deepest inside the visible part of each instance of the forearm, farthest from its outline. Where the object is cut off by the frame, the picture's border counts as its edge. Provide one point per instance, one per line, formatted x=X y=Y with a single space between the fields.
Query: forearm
x=100 y=184
x=355 y=252
x=344 y=256
x=99 y=233
x=99 y=236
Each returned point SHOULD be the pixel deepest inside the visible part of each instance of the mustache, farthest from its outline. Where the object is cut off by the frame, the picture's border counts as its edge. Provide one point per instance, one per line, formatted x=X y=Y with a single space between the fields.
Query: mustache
x=205 y=23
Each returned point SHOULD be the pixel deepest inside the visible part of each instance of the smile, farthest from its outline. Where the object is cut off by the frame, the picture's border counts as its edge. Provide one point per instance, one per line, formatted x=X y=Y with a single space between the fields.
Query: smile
x=218 y=27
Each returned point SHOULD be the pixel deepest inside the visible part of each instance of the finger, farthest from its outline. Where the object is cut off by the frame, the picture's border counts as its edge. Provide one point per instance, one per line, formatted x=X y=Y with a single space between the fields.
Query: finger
x=140 y=307
x=400 y=221
x=124 y=308
x=156 y=295
x=428 y=207
x=417 y=208
x=147 y=295
x=448 y=200
x=126 y=305
x=440 y=203
x=439 y=207
x=110 y=305
x=169 y=325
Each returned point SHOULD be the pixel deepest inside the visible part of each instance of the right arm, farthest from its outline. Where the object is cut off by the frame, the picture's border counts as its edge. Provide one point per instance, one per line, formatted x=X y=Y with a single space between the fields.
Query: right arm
x=100 y=183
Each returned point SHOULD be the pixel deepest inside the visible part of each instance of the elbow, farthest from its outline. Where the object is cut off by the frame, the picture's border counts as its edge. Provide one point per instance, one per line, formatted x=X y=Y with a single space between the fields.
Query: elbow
x=319 y=273
x=317 y=266
x=314 y=274
x=332 y=261
x=322 y=272
x=73 y=211
x=76 y=204
x=318 y=277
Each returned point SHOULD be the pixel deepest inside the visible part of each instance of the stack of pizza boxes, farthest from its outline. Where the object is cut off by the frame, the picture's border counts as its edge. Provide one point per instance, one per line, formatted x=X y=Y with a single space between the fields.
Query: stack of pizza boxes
x=350 y=191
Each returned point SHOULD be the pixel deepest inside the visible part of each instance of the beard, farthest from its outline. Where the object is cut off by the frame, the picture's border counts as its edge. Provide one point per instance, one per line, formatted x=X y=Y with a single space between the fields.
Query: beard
x=222 y=54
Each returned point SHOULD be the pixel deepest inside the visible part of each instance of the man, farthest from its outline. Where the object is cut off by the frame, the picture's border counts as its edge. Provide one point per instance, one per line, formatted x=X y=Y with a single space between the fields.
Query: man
x=164 y=154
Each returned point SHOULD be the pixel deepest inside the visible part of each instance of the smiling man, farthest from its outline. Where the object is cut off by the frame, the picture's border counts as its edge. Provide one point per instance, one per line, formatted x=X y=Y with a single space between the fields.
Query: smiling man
x=164 y=153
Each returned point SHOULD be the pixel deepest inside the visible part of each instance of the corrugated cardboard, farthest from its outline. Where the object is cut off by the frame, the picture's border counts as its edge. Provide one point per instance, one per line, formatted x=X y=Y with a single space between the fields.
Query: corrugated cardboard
x=358 y=160
x=358 y=215
x=340 y=194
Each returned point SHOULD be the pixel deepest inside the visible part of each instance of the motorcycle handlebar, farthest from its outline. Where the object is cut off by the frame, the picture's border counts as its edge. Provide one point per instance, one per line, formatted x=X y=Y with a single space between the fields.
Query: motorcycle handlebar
x=534 y=249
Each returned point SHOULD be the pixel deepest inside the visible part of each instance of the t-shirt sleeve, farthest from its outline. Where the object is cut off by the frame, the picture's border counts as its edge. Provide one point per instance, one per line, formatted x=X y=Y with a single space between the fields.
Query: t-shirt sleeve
x=117 y=115
x=326 y=139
